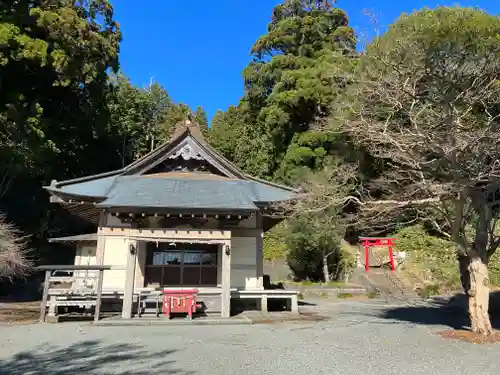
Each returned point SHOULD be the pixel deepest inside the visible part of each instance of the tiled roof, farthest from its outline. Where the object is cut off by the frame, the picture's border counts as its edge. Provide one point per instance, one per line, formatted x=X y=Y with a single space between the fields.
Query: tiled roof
x=141 y=191
x=226 y=187
x=93 y=188
x=187 y=176
x=177 y=192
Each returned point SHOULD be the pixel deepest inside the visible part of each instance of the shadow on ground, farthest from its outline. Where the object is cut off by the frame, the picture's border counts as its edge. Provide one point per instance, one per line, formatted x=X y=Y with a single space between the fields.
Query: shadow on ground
x=91 y=357
x=444 y=312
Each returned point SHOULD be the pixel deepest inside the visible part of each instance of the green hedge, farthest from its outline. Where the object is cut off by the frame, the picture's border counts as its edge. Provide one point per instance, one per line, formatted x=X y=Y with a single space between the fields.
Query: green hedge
x=434 y=257
x=437 y=256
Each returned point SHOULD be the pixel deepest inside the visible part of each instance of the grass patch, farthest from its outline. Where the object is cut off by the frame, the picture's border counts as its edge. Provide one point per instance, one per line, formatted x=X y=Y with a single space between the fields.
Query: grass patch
x=471 y=337
x=372 y=294
x=20 y=313
x=429 y=290
x=316 y=294
x=431 y=264
x=333 y=284
x=344 y=295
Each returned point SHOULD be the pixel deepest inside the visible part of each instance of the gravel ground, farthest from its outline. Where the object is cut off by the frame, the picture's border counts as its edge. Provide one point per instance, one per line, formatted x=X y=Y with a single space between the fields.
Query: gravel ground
x=360 y=338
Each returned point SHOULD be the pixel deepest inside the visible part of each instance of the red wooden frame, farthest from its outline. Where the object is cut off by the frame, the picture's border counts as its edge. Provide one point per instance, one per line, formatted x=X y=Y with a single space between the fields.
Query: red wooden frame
x=367 y=242
x=179 y=301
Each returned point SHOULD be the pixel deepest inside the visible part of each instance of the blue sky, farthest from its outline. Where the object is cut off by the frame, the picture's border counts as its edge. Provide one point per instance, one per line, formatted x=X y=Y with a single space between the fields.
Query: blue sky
x=197 y=50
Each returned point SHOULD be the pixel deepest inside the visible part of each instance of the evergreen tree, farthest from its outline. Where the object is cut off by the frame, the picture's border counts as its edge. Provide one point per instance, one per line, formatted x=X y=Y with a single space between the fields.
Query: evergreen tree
x=299 y=68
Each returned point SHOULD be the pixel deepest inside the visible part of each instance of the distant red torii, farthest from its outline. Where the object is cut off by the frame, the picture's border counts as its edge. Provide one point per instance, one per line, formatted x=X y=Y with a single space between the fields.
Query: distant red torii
x=367 y=242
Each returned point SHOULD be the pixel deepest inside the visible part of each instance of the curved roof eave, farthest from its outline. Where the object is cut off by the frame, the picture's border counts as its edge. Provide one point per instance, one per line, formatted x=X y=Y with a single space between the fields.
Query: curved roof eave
x=196 y=136
x=71 y=196
x=58 y=184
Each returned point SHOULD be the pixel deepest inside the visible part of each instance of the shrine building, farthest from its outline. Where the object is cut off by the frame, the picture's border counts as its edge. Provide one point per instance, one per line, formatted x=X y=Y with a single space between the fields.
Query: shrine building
x=182 y=216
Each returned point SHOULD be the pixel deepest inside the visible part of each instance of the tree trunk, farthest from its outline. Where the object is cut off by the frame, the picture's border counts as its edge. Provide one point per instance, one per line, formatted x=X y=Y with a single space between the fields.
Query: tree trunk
x=346 y=277
x=463 y=264
x=326 y=273
x=479 y=294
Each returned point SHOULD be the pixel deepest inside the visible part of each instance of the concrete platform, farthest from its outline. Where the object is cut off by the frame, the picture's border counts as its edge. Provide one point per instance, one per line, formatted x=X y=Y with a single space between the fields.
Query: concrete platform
x=247 y=317
x=162 y=321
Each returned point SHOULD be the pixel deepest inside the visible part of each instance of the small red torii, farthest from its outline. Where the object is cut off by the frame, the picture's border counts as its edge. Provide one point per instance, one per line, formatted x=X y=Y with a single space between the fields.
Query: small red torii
x=368 y=242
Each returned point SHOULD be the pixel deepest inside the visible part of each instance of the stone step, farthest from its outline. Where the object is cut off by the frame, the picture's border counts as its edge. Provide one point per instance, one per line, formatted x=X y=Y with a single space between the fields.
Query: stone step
x=385 y=282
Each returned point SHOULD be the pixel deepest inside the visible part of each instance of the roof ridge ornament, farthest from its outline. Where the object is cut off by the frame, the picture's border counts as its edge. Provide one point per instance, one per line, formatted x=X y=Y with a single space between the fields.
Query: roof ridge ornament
x=187 y=152
x=189 y=123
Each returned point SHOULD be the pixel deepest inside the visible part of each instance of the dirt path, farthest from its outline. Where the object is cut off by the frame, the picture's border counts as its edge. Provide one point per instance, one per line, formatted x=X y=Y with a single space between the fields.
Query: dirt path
x=19 y=312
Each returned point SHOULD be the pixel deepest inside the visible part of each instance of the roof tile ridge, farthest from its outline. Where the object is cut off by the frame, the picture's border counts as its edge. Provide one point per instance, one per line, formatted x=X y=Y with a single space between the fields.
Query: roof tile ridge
x=271 y=183
x=113 y=184
x=58 y=184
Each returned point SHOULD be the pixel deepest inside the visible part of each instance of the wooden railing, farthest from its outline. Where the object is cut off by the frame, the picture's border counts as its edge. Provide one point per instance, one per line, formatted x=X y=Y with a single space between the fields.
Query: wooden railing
x=94 y=291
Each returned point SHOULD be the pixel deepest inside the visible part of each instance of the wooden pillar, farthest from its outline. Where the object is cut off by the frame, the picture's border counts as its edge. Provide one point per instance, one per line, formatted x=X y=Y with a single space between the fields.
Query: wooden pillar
x=140 y=268
x=261 y=304
x=128 y=297
x=100 y=278
x=294 y=304
x=100 y=246
x=226 y=280
x=45 y=296
x=52 y=306
x=259 y=261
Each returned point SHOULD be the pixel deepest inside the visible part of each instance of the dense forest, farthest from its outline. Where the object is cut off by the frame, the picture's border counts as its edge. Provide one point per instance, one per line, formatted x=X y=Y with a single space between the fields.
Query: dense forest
x=399 y=138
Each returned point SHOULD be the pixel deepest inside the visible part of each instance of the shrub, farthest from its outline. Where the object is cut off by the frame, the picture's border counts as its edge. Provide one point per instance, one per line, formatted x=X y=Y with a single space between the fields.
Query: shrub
x=274 y=246
x=429 y=290
x=372 y=294
x=494 y=269
x=430 y=258
x=308 y=240
x=434 y=259
x=13 y=254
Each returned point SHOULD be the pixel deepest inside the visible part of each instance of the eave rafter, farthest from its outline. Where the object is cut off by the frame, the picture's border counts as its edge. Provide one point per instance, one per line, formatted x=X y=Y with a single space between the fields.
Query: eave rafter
x=125 y=215
x=89 y=212
x=85 y=210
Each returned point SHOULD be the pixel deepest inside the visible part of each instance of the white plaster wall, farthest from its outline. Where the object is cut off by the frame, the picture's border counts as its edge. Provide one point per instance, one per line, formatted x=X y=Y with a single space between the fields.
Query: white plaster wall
x=86 y=256
x=243 y=260
x=115 y=254
x=78 y=255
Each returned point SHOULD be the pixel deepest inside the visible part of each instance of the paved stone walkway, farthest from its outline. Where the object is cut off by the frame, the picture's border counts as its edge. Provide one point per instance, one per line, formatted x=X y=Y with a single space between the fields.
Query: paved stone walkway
x=360 y=338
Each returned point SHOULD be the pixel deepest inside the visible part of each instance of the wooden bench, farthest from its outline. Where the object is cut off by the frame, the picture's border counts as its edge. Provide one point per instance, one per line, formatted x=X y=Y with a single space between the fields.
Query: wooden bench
x=82 y=298
x=264 y=295
x=144 y=298
x=156 y=297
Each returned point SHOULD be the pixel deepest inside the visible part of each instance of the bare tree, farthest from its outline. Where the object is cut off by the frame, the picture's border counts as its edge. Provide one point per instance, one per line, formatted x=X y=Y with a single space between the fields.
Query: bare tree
x=426 y=106
x=14 y=256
